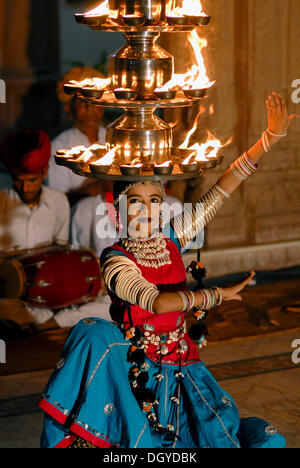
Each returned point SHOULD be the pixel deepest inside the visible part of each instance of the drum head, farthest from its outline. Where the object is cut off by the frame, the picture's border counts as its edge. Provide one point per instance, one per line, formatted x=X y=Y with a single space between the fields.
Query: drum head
x=12 y=279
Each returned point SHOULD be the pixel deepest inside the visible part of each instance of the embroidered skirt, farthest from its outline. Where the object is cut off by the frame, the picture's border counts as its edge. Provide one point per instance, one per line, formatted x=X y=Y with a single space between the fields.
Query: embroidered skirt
x=89 y=396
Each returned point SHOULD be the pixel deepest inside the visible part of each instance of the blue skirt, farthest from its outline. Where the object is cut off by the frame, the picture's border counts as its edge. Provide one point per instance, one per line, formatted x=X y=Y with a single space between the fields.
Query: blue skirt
x=89 y=395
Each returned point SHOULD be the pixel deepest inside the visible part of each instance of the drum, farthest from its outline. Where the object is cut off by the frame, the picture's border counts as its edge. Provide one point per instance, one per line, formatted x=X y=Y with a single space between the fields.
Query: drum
x=52 y=277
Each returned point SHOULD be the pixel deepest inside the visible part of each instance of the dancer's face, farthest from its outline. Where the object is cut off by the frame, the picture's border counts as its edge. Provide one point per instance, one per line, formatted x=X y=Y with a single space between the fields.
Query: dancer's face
x=143 y=210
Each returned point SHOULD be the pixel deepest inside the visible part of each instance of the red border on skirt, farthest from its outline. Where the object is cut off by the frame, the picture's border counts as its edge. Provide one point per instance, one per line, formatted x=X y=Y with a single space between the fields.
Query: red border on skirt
x=66 y=442
x=75 y=428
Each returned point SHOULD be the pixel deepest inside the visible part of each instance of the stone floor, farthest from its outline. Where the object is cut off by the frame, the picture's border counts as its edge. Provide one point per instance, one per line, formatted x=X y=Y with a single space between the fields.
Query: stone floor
x=257 y=371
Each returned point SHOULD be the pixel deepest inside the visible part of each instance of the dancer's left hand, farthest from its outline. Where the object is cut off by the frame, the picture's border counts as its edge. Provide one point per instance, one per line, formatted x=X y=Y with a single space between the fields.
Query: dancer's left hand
x=232 y=293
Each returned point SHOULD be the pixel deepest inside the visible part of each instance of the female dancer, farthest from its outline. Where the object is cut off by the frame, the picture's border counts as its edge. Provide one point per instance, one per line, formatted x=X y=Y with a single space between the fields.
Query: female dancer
x=139 y=382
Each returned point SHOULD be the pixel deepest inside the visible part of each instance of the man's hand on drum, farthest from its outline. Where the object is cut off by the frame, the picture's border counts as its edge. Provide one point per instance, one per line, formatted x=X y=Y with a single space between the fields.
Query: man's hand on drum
x=16 y=311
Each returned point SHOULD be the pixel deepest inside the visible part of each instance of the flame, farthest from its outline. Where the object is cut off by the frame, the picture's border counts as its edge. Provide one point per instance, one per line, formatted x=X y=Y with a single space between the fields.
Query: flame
x=185 y=144
x=108 y=159
x=86 y=156
x=189 y=8
x=166 y=164
x=82 y=152
x=177 y=81
x=136 y=163
x=96 y=147
x=98 y=83
x=77 y=150
x=206 y=150
x=187 y=161
x=100 y=10
x=196 y=77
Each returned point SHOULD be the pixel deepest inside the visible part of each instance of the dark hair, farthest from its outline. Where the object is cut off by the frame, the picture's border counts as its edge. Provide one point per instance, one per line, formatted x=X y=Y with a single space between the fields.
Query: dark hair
x=119 y=187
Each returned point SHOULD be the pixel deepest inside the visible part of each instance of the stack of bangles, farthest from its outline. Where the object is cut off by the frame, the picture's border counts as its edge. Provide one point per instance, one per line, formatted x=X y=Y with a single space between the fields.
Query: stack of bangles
x=243 y=167
x=210 y=299
x=265 y=139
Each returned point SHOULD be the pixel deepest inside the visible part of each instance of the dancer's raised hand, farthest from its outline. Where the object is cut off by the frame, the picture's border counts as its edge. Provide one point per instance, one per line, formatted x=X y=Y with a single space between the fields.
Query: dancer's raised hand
x=278 y=118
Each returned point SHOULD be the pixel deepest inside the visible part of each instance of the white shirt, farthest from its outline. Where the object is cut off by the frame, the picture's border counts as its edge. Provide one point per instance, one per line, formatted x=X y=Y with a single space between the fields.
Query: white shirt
x=92 y=227
x=46 y=223
x=27 y=228
x=59 y=177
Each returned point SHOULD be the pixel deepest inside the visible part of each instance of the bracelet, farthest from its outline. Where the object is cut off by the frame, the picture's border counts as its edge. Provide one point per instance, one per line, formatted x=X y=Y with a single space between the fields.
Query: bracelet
x=265 y=142
x=277 y=134
x=222 y=191
x=184 y=301
x=213 y=299
x=193 y=299
x=249 y=164
x=210 y=300
x=243 y=167
x=236 y=174
x=220 y=296
x=188 y=301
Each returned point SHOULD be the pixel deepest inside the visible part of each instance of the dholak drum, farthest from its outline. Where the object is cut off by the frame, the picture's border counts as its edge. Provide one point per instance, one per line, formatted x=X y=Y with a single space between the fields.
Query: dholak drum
x=51 y=277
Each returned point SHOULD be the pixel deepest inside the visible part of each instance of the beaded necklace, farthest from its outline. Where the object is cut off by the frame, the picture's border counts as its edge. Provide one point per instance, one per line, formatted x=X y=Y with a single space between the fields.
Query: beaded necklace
x=151 y=252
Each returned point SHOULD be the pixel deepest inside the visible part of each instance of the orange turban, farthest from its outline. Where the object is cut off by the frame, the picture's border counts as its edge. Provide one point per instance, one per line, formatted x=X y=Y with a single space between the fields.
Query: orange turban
x=77 y=74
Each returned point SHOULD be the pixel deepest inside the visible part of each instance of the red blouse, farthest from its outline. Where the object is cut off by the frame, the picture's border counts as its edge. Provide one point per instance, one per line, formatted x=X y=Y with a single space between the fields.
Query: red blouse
x=160 y=331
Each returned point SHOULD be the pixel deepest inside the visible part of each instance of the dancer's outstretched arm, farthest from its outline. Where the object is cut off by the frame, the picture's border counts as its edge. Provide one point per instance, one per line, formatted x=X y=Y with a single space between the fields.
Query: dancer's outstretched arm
x=278 y=124
x=187 y=227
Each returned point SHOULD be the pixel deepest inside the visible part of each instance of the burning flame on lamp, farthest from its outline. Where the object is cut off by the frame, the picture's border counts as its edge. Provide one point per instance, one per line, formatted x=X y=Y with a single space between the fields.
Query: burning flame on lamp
x=135 y=163
x=100 y=10
x=196 y=77
x=98 y=83
x=77 y=150
x=86 y=156
x=166 y=164
x=204 y=151
x=189 y=8
x=103 y=10
x=108 y=159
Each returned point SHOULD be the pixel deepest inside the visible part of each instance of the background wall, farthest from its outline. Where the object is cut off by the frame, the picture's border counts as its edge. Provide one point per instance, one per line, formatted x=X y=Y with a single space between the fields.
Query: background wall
x=253 y=48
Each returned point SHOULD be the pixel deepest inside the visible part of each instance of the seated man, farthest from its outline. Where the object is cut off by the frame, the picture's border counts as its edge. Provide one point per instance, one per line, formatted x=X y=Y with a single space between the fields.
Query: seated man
x=86 y=131
x=32 y=215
